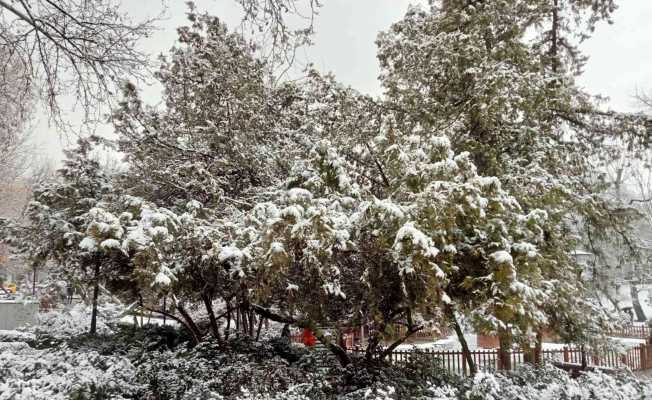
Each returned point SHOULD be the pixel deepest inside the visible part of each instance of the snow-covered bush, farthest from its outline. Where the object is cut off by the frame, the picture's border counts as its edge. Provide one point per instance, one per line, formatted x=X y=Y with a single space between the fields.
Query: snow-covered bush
x=546 y=383
x=76 y=321
x=134 y=363
x=15 y=336
x=31 y=374
x=210 y=370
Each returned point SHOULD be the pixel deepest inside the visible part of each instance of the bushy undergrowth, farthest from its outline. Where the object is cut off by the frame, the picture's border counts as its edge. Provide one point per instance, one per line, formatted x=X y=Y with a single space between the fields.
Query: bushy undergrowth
x=158 y=363
x=62 y=373
x=75 y=321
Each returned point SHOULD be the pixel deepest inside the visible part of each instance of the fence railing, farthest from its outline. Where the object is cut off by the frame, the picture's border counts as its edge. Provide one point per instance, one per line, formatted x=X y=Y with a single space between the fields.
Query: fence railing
x=633 y=331
x=635 y=358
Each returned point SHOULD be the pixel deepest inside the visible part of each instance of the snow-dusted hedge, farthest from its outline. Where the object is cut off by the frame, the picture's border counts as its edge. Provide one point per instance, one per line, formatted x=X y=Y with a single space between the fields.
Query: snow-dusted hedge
x=52 y=374
x=547 y=383
x=132 y=363
x=15 y=336
x=76 y=320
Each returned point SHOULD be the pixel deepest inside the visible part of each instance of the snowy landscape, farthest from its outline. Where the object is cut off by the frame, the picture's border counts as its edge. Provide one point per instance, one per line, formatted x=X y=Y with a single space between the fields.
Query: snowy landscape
x=196 y=202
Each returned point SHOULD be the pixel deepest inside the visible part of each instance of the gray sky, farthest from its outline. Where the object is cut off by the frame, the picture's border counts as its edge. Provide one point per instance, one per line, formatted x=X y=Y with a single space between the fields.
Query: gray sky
x=620 y=54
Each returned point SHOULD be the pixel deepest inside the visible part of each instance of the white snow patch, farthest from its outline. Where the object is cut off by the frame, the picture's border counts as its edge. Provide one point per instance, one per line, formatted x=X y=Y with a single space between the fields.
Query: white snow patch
x=501 y=257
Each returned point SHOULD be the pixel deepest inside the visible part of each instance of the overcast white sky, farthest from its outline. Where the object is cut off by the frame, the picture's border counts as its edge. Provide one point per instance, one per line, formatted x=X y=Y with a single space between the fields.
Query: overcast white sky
x=620 y=54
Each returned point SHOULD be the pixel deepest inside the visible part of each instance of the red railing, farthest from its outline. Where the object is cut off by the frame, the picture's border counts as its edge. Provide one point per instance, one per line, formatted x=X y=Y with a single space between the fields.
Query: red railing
x=633 y=331
x=635 y=358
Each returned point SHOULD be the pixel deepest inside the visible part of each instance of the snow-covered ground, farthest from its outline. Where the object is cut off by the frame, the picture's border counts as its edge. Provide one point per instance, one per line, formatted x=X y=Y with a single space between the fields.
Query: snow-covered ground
x=448 y=343
x=137 y=320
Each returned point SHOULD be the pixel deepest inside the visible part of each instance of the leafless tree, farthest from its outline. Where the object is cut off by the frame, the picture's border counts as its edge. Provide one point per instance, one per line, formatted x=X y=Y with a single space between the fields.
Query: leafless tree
x=15 y=106
x=280 y=27
x=82 y=48
x=645 y=99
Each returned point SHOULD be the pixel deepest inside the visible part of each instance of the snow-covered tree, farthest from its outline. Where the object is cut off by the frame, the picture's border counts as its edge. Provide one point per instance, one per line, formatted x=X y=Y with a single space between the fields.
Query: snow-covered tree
x=310 y=204
x=330 y=252
x=67 y=224
x=218 y=139
x=176 y=255
x=499 y=78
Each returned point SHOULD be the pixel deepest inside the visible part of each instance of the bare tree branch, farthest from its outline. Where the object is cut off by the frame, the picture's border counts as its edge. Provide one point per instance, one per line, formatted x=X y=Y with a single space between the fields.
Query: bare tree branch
x=74 y=47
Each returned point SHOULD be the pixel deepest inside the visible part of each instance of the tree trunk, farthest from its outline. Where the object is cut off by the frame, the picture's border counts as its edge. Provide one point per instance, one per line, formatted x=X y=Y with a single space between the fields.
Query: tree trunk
x=252 y=323
x=244 y=320
x=339 y=352
x=34 y=282
x=554 y=50
x=583 y=357
x=227 y=331
x=640 y=314
x=538 y=347
x=466 y=352
x=164 y=309
x=181 y=322
x=208 y=303
x=372 y=344
x=504 y=351
x=96 y=293
x=260 y=326
x=388 y=351
x=194 y=330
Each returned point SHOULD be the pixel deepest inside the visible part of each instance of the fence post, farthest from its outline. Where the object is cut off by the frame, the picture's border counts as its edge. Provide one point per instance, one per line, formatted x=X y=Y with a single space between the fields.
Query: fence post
x=643 y=355
x=566 y=355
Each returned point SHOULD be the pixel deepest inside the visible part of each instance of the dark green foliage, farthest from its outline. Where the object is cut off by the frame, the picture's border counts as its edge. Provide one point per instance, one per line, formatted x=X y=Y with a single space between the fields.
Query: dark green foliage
x=409 y=379
x=223 y=369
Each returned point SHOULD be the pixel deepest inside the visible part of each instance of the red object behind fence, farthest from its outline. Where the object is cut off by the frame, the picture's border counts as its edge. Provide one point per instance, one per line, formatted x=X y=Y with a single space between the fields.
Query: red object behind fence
x=308 y=338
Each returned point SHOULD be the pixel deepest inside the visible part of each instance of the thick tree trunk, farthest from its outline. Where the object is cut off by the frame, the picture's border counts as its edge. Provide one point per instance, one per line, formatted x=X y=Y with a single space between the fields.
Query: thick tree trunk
x=285 y=332
x=181 y=321
x=583 y=357
x=372 y=345
x=96 y=293
x=504 y=351
x=538 y=347
x=638 y=310
x=208 y=303
x=194 y=330
x=252 y=323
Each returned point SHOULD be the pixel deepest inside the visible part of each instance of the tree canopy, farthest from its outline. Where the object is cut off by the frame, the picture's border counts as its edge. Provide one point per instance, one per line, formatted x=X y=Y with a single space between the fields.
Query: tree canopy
x=461 y=193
